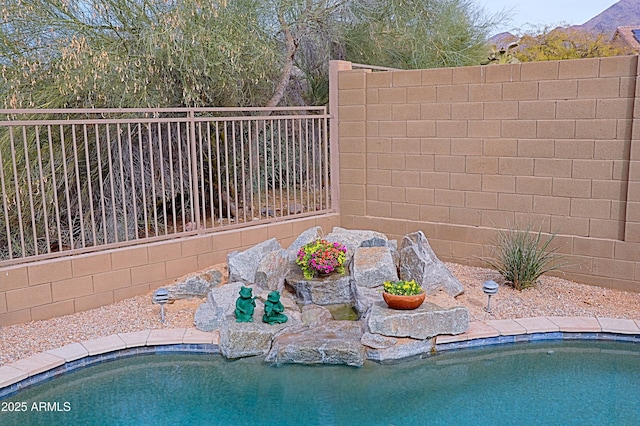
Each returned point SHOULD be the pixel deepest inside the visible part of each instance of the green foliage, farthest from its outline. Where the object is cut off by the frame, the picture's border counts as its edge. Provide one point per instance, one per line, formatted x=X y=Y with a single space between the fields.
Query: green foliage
x=170 y=53
x=403 y=288
x=417 y=34
x=522 y=256
x=118 y=53
x=566 y=43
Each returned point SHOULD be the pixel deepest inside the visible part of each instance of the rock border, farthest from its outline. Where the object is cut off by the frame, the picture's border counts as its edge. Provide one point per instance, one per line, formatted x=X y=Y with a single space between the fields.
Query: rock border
x=47 y=365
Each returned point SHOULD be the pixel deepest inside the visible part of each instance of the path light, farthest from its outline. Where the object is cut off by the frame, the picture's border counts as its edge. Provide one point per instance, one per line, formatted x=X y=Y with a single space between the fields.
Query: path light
x=490 y=288
x=160 y=297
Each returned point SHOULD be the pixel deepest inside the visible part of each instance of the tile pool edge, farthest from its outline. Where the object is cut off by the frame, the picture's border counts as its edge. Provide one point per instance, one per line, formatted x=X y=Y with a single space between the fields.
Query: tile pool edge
x=50 y=364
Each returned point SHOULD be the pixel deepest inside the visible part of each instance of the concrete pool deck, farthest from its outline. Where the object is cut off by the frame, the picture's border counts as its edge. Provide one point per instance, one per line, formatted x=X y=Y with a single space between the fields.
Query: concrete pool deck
x=46 y=365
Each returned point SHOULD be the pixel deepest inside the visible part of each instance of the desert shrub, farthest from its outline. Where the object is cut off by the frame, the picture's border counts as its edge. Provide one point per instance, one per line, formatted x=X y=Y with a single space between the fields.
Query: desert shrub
x=521 y=256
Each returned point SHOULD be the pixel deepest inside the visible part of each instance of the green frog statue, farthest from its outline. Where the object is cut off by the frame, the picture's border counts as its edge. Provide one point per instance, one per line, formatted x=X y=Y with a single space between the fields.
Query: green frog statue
x=273 y=309
x=245 y=304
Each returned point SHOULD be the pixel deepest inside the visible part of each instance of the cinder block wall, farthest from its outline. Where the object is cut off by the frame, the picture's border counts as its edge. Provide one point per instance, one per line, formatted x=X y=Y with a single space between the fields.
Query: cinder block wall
x=459 y=152
x=53 y=288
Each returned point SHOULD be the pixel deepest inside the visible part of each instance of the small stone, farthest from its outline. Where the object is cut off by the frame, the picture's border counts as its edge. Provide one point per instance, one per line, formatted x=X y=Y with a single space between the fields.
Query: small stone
x=267 y=212
x=295 y=208
x=374 y=242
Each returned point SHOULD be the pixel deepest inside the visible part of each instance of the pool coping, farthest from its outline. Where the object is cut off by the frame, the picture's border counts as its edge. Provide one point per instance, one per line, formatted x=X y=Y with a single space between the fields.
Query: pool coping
x=52 y=363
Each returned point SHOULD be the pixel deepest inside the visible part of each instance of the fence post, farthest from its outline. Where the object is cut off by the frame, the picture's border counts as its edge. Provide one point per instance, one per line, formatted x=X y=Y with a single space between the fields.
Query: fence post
x=334 y=139
x=194 y=167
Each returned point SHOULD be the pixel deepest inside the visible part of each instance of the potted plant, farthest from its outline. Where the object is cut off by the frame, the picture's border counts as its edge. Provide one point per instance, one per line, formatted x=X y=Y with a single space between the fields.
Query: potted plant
x=321 y=257
x=403 y=294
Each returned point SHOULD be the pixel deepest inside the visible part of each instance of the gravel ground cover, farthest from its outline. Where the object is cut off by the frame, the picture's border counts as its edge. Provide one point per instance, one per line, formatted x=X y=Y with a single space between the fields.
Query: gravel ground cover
x=551 y=297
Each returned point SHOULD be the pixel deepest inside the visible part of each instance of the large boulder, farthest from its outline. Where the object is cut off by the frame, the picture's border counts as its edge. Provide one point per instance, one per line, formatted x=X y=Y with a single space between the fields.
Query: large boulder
x=380 y=242
x=243 y=339
x=330 y=290
x=306 y=237
x=352 y=238
x=365 y=297
x=419 y=262
x=372 y=266
x=427 y=321
x=244 y=265
x=335 y=342
x=194 y=285
x=403 y=348
x=220 y=304
x=272 y=269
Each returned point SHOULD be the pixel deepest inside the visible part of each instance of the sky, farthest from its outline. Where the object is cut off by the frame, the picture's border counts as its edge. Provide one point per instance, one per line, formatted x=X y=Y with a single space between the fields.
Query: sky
x=540 y=12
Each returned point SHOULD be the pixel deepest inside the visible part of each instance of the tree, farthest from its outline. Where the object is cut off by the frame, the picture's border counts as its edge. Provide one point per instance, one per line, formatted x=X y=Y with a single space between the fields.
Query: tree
x=565 y=43
x=417 y=34
x=123 y=53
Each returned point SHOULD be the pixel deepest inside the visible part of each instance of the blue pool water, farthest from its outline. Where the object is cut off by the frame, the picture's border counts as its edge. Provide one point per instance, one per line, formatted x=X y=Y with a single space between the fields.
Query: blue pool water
x=541 y=383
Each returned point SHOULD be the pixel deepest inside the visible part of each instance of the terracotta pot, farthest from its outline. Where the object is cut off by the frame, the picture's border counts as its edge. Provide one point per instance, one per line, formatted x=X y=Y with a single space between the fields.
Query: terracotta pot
x=403 y=302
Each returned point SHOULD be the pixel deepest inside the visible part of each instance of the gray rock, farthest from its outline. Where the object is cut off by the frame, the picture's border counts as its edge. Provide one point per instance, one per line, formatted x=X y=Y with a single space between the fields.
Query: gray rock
x=306 y=237
x=220 y=304
x=427 y=321
x=207 y=318
x=365 y=297
x=420 y=263
x=243 y=265
x=402 y=349
x=315 y=315
x=243 y=339
x=372 y=266
x=295 y=208
x=330 y=290
x=194 y=285
x=267 y=212
x=352 y=238
x=393 y=246
x=374 y=242
x=377 y=341
x=336 y=342
x=272 y=269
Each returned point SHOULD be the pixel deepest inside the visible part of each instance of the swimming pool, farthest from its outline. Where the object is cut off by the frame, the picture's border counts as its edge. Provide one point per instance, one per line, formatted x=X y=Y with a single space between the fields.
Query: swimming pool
x=572 y=382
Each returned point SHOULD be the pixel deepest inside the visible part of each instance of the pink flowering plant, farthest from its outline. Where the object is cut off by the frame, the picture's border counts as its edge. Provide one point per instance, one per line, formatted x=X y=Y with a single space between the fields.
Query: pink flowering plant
x=321 y=256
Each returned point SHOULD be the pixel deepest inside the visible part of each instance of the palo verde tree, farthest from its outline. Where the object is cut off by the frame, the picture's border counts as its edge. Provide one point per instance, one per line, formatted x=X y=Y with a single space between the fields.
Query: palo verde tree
x=123 y=53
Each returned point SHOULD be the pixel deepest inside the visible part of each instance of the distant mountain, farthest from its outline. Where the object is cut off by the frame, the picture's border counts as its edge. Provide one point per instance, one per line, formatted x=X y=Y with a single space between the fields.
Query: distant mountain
x=624 y=13
x=502 y=40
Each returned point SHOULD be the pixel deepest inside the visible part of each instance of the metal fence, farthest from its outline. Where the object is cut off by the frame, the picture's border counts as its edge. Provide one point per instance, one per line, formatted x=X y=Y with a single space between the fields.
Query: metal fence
x=81 y=180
